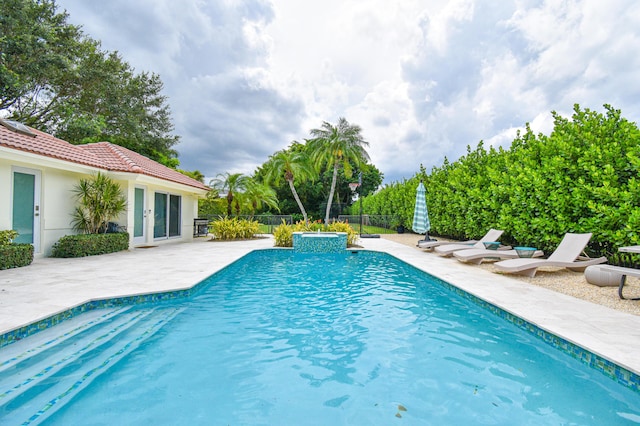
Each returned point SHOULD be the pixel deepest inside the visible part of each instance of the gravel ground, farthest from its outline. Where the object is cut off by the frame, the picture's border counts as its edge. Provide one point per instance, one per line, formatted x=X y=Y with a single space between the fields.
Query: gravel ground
x=558 y=279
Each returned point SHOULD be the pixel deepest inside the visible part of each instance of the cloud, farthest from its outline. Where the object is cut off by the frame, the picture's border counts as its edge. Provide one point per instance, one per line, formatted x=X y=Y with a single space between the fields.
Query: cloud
x=423 y=78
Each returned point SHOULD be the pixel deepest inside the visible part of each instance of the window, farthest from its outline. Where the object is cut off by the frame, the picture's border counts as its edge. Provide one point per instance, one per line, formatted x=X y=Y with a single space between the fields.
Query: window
x=167 y=218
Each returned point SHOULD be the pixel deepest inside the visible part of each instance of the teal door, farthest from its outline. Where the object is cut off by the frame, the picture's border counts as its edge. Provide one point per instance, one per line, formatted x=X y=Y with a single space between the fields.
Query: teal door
x=26 y=207
x=139 y=216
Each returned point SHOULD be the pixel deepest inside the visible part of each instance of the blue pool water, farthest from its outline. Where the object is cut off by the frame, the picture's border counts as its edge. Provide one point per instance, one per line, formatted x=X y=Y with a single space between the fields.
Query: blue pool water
x=336 y=339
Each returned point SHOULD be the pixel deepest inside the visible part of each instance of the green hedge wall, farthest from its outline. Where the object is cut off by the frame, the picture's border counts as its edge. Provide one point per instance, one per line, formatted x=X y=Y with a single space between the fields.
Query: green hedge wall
x=583 y=177
x=15 y=255
x=90 y=244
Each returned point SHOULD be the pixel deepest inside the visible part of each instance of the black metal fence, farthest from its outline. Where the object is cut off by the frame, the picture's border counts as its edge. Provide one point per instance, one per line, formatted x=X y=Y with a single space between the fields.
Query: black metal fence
x=371 y=224
x=268 y=222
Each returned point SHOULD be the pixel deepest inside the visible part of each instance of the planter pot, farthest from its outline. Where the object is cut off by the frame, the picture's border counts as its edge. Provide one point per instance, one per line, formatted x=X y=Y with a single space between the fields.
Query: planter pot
x=400 y=229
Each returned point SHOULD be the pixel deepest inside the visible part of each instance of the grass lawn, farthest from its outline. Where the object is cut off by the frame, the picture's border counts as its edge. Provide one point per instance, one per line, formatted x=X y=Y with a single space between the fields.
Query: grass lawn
x=369 y=229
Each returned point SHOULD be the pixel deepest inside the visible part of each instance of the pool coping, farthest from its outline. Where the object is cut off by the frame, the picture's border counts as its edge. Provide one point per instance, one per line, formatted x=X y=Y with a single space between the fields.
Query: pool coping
x=590 y=329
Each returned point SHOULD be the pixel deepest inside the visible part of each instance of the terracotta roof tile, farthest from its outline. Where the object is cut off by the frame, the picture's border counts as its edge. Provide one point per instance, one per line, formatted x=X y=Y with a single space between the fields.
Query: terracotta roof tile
x=102 y=155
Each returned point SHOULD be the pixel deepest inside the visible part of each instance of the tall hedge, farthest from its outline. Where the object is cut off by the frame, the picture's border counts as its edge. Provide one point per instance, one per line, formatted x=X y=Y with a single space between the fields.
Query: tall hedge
x=583 y=177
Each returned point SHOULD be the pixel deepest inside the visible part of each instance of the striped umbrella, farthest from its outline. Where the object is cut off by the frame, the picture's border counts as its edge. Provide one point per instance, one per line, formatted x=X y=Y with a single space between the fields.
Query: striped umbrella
x=421 y=224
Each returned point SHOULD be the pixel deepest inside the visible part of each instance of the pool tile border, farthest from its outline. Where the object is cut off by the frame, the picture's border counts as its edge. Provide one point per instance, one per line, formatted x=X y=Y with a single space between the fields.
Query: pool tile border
x=113 y=302
x=610 y=369
x=620 y=374
x=33 y=328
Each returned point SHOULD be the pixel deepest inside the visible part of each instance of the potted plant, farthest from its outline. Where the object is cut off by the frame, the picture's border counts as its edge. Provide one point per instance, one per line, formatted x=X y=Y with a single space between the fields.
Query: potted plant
x=397 y=224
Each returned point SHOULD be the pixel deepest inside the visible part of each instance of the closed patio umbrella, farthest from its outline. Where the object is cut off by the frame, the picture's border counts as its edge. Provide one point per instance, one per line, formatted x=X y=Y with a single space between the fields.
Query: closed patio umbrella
x=421 y=222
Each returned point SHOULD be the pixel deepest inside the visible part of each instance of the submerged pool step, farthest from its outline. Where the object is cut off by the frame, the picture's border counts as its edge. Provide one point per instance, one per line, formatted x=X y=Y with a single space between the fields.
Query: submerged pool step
x=27 y=348
x=38 y=384
x=24 y=366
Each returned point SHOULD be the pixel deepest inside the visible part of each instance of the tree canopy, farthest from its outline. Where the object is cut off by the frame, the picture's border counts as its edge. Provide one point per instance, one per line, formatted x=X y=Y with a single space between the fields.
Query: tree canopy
x=311 y=181
x=55 y=78
x=288 y=165
x=337 y=146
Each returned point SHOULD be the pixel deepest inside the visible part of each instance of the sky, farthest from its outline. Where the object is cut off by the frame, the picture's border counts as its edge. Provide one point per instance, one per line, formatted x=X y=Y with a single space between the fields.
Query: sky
x=424 y=79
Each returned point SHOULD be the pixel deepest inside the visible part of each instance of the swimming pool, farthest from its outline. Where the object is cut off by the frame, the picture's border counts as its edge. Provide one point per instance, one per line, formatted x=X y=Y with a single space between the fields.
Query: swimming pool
x=284 y=338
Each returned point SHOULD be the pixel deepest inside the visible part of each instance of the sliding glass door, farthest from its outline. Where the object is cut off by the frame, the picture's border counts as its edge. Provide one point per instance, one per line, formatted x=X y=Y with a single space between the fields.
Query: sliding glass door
x=167 y=217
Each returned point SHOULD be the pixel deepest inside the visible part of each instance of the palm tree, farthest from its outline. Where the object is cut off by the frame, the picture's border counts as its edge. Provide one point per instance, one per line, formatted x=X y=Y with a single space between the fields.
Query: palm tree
x=231 y=184
x=290 y=165
x=335 y=146
x=258 y=194
x=100 y=199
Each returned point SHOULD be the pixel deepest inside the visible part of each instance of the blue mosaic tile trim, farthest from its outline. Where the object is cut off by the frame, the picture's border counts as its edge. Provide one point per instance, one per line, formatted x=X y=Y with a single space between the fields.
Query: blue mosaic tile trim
x=154 y=298
x=615 y=372
x=30 y=329
x=327 y=242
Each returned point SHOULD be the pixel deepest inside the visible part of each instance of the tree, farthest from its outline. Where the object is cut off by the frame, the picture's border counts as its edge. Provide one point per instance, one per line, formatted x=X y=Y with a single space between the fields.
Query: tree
x=337 y=146
x=194 y=174
x=37 y=48
x=257 y=195
x=110 y=102
x=212 y=205
x=288 y=165
x=56 y=79
x=100 y=199
x=231 y=184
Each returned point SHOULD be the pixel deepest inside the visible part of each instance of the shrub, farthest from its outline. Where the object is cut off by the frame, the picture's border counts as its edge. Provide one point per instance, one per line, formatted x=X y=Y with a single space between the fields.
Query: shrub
x=316 y=226
x=234 y=229
x=90 y=244
x=6 y=237
x=582 y=177
x=15 y=255
x=352 y=234
x=283 y=234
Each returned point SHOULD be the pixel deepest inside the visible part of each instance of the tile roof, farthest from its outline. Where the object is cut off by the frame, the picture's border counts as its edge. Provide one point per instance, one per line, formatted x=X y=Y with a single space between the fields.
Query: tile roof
x=101 y=155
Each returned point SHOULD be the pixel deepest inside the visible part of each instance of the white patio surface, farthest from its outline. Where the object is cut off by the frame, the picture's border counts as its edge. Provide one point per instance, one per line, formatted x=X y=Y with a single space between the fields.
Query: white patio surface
x=50 y=286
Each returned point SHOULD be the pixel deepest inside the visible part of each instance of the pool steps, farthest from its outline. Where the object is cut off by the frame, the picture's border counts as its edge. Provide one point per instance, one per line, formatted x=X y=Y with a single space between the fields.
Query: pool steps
x=84 y=348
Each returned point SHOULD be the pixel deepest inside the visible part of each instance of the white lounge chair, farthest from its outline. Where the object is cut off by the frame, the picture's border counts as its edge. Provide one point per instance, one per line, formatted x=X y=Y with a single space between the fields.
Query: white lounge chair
x=477 y=256
x=448 y=249
x=567 y=255
x=429 y=245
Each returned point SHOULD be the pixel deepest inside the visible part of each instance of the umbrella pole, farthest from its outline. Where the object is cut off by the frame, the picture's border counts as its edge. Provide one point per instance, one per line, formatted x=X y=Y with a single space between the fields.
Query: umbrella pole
x=426 y=238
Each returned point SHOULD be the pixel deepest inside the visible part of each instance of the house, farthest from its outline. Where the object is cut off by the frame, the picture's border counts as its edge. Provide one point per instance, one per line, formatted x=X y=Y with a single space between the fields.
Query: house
x=38 y=173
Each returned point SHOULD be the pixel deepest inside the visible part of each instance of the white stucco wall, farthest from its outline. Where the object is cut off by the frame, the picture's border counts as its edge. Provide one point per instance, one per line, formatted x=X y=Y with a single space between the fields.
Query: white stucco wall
x=189 y=207
x=5 y=193
x=57 y=202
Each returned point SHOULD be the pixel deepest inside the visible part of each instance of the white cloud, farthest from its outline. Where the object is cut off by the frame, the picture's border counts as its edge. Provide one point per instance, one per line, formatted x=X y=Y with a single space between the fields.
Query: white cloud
x=423 y=78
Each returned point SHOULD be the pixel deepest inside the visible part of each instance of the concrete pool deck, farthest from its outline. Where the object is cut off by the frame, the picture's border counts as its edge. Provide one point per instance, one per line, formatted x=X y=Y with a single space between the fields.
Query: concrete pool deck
x=50 y=286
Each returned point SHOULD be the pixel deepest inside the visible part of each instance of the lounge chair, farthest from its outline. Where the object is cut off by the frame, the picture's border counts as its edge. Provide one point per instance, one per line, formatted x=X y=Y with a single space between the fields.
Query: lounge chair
x=448 y=249
x=429 y=245
x=477 y=256
x=567 y=255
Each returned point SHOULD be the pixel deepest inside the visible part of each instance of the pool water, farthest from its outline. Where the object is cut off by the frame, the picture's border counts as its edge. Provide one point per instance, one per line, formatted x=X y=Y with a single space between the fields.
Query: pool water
x=340 y=339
